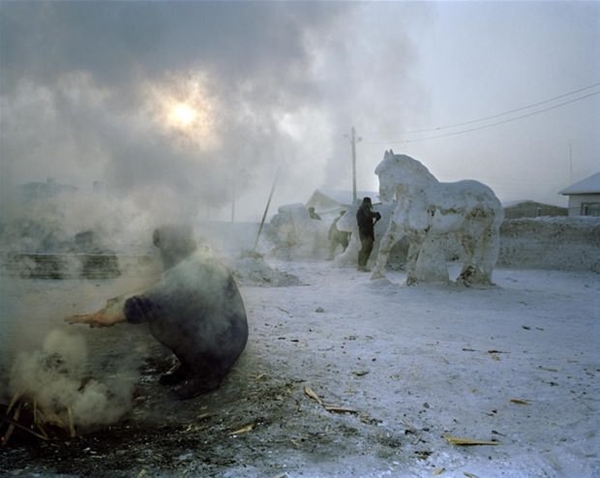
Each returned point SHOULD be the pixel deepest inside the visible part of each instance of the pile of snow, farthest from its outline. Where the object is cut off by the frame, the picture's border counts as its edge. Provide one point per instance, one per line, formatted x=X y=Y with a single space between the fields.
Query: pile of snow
x=253 y=270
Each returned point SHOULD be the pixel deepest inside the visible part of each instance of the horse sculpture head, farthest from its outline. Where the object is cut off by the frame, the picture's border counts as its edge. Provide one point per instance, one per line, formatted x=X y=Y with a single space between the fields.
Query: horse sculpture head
x=399 y=169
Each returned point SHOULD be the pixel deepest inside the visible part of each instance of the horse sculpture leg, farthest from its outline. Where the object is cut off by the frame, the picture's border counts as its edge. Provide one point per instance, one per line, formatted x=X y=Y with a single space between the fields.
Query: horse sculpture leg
x=385 y=246
x=481 y=245
x=490 y=249
x=414 y=248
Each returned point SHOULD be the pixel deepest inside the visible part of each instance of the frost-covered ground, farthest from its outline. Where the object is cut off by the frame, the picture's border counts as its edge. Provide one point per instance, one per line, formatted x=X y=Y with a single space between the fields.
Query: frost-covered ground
x=516 y=364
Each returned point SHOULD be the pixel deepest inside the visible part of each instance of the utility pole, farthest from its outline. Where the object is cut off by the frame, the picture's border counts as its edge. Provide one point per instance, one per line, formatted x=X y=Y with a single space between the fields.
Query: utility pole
x=353 y=141
x=570 y=163
x=233 y=201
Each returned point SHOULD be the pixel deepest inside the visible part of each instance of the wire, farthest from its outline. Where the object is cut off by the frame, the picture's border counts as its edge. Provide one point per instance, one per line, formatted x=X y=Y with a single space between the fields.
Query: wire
x=499 y=122
x=508 y=120
x=506 y=112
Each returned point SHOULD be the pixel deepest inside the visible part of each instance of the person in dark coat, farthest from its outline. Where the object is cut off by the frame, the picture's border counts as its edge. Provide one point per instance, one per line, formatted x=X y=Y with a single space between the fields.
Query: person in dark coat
x=366 y=219
x=195 y=309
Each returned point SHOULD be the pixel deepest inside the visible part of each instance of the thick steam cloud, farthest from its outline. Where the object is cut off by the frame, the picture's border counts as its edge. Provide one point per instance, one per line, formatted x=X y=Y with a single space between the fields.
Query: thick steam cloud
x=56 y=379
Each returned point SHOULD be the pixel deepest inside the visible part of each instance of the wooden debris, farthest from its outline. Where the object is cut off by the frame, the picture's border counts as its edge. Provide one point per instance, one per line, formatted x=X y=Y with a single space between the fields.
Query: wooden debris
x=468 y=441
x=311 y=393
x=11 y=423
x=519 y=401
x=360 y=373
x=25 y=414
x=72 y=431
x=244 y=429
x=16 y=424
x=338 y=409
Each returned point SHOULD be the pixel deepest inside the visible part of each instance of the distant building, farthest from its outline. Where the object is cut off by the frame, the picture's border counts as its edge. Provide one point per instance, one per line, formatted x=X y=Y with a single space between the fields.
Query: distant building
x=519 y=209
x=584 y=196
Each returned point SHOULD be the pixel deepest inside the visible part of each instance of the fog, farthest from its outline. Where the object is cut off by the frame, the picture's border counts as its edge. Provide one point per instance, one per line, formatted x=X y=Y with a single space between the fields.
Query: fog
x=189 y=109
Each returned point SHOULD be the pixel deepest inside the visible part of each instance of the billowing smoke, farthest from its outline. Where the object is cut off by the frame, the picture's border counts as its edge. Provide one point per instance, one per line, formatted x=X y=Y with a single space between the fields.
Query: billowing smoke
x=188 y=107
x=56 y=378
x=162 y=112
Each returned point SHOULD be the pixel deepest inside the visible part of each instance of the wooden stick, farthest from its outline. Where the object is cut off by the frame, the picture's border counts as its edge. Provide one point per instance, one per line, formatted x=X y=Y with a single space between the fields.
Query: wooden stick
x=71 y=427
x=37 y=423
x=17 y=396
x=262 y=222
x=13 y=422
x=16 y=424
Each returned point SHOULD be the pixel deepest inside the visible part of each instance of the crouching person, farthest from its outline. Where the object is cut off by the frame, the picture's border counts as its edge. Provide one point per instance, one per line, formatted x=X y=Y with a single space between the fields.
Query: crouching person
x=195 y=309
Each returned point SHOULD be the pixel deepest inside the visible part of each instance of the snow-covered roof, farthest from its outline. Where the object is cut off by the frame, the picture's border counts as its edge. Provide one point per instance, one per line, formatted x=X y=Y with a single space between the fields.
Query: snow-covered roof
x=589 y=185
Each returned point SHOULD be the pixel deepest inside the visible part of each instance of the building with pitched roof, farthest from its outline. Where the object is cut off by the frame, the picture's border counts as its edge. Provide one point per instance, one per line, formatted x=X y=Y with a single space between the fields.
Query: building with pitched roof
x=584 y=196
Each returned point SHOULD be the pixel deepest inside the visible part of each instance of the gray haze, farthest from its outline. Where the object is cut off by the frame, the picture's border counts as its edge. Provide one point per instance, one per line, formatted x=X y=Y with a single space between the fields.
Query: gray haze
x=88 y=90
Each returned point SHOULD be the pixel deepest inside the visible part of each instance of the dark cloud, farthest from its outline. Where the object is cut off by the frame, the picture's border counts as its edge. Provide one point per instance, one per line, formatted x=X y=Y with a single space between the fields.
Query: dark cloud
x=118 y=41
x=82 y=85
x=253 y=55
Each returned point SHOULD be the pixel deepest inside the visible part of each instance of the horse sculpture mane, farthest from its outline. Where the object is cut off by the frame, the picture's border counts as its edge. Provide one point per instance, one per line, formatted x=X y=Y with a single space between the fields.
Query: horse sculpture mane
x=429 y=212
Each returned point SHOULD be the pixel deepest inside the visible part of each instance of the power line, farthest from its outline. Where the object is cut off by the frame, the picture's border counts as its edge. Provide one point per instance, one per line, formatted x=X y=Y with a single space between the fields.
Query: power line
x=504 y=113
x=486 y=118
x=507 y=120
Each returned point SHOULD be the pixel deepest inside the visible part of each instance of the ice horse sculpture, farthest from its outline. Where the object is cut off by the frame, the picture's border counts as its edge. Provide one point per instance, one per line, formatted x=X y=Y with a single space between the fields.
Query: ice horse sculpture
x=430 y=213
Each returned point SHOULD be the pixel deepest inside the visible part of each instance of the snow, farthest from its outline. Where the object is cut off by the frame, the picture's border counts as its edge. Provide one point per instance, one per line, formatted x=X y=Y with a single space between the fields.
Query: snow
x=517 y=363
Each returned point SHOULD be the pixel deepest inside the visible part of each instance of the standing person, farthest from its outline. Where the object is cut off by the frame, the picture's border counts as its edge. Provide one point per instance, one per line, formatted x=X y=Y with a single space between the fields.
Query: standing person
x=366 y=219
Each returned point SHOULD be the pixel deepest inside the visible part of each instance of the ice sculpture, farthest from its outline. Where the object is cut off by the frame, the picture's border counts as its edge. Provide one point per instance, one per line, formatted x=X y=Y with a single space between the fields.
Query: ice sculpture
x=429 y=212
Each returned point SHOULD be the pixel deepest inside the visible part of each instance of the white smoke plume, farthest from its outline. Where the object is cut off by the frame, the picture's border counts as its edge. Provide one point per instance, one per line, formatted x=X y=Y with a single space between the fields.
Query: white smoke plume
x=56 y=378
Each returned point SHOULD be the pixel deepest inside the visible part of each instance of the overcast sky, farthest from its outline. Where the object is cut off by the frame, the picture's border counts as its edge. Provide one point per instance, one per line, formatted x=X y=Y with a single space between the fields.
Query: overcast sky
x=199 y=102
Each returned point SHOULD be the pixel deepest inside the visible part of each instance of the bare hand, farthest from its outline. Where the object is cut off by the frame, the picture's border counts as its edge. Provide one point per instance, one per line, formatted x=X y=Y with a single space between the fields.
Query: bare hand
x=108 y=316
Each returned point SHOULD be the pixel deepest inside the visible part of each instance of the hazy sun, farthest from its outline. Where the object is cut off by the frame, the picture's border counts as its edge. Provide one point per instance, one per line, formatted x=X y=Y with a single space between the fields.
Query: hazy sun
x=184 y=106
x=182 y=115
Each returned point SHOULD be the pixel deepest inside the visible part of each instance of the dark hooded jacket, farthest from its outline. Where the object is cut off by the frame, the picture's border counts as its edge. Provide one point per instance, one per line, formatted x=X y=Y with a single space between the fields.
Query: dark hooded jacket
x=364 y=218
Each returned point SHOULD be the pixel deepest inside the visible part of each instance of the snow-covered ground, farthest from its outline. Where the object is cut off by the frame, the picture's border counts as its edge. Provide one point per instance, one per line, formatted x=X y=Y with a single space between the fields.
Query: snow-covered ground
x=515 y=365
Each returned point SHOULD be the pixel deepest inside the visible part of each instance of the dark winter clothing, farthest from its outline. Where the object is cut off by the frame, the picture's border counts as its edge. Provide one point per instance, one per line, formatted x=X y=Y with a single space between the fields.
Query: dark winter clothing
x=366 y=219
